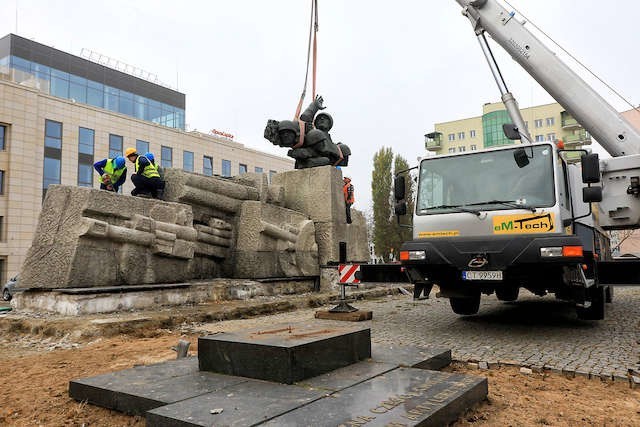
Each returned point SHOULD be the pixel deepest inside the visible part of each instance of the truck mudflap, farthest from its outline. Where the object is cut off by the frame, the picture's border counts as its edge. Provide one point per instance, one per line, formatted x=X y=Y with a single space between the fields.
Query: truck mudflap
x=619 y=272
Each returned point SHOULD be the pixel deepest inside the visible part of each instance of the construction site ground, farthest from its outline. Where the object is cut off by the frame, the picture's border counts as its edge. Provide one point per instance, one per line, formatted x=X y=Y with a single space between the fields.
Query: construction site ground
x=41 y=353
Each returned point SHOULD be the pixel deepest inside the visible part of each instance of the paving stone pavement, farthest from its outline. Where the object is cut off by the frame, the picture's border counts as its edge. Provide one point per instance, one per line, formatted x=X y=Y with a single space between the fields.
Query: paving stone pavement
x=540 y=333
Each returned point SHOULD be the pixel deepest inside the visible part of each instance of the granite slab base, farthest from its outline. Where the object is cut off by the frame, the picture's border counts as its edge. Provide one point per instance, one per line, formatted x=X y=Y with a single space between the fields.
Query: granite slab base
x=404 y=396
x=284 y=353
x=354 y=316
x=401 y=396
x=137 y=390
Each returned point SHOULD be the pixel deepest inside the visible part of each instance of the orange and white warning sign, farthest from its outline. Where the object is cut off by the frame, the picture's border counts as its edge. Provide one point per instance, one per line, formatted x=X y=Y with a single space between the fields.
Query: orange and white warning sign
x=348 y=272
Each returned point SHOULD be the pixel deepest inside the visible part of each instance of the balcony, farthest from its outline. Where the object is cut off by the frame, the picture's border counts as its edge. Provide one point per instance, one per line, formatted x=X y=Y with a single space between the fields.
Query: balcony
x=568 y=122
x=433 y=141
x=578 y=137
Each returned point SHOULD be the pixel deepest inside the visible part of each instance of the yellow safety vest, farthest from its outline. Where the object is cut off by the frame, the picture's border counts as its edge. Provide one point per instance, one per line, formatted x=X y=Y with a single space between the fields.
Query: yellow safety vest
x=150 y=171
x=114 y=173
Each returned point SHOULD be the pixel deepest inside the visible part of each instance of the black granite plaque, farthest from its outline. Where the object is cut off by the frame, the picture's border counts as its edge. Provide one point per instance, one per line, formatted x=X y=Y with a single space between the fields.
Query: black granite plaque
x=433 y=358
x=137 y=390
x=348 y=376
x=245 y=404
x=284 y=353
x=402 y=397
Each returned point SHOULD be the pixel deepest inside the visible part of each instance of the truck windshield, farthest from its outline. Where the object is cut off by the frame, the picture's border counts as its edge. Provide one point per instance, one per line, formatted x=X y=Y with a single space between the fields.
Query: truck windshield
x=486 y=180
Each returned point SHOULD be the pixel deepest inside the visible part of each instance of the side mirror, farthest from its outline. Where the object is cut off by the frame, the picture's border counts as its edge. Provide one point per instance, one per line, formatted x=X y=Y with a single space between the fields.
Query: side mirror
x=521 y=158
x=399 y=187
x=592 y=194
x=590 y=168
x=511 y=131
x=400 y=208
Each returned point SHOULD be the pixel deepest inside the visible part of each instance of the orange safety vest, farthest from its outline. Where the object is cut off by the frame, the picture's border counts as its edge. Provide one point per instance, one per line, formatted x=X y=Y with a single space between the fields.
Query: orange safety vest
x=347 y=189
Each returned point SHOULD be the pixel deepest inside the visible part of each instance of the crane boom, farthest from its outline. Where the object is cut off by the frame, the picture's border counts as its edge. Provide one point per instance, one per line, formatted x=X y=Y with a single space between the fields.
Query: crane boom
x=616 y=135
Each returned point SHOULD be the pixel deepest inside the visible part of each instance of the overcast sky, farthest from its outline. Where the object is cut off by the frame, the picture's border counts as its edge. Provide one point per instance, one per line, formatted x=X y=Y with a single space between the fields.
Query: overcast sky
x=387 y=70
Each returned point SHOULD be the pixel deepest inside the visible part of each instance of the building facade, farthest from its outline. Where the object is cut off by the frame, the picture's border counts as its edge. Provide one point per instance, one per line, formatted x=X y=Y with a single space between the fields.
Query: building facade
x=60 y=113
x=549 y=122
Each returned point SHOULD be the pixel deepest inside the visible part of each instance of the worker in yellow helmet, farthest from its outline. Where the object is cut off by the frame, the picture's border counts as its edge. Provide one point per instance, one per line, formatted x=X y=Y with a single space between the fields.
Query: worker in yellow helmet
x=146 y=178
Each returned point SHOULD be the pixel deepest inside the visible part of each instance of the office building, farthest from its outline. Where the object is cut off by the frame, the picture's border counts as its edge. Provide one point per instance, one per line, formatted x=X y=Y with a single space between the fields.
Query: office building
x=59 y=113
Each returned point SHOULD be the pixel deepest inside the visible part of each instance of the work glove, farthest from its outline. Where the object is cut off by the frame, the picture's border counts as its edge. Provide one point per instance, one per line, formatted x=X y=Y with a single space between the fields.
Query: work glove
x=318 y=102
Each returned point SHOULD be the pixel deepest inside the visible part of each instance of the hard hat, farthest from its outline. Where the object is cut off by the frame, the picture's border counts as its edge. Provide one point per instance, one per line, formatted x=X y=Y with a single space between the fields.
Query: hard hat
x=119 y=162
x=150 y=157
x=129 y=151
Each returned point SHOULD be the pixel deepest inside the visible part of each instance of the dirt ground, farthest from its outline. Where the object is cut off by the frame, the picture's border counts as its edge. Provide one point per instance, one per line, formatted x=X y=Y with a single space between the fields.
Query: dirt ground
x=36 y=371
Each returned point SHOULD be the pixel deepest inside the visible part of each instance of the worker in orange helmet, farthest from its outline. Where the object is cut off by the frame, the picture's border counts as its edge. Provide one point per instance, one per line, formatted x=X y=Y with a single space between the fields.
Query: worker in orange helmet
x=349 y=199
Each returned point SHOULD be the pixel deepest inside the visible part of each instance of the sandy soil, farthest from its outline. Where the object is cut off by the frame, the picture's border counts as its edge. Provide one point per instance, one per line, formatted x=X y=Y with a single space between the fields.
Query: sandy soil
x=35 y=376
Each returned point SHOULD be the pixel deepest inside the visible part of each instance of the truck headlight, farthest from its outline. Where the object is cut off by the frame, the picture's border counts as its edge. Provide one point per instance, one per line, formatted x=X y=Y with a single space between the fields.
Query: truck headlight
x=412 y=255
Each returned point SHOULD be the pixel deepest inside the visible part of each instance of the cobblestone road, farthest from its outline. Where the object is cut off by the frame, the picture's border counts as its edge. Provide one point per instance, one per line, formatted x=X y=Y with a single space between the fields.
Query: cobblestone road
x=533 y=331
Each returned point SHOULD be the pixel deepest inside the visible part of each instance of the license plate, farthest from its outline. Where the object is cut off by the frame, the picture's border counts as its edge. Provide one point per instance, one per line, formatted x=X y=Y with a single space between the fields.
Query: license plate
x=482 y=275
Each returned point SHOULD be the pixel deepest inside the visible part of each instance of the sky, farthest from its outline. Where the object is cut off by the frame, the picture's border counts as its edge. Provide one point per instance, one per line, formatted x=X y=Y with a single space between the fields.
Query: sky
x=387 y=70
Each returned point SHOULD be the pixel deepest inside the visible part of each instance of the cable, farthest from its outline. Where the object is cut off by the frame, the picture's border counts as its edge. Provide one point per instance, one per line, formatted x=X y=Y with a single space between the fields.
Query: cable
x=313 y=29
x=573 y=57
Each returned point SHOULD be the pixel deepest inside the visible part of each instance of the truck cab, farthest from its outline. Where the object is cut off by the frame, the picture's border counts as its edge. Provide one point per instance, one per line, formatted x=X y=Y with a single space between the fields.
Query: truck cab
x=496 y=220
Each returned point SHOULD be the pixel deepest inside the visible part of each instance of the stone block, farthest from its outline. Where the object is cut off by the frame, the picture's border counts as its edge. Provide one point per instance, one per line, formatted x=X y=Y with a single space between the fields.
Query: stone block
x=244 y=404
x=316 y=192
x=284 y=353
x=274 y=242
x=433 y=358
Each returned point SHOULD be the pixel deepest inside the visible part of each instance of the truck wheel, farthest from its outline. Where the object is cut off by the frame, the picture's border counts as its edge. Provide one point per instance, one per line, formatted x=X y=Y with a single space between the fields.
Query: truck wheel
x=507 y=294
x=596 y=310
x=6 y=295
x=465 y=306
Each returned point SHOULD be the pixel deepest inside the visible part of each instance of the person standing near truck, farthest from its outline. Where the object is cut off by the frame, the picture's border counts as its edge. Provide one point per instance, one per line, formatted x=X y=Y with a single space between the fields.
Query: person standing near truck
x=349 y=199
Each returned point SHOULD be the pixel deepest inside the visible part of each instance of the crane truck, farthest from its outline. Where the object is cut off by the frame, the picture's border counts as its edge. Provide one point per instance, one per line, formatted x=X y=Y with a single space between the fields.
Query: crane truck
x=531 y=215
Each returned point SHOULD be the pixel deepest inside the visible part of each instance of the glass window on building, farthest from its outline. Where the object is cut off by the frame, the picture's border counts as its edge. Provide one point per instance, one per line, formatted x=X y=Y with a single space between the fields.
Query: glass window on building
x=493 y=133
x=452 y=149
x=462 y=149
x=226 y=167
x=538 y=123
x=85 y=175
x=3 y=136
x=551 y=137
x=539 y=138
x=115 y=145
x=452 y=137
x=242 y=168
x=460 y=135
x=258 y=169
x=473 y=147
x=142 y=147
x=271 y=174
x=187 y=161
x=51 y=171
x=1 y=182
x=52 y=154
x=53 y=134
x=166 y=157
x=207 y=165
x=550 y=121
x=472 y=133
x=86 y=141
x=526 y=125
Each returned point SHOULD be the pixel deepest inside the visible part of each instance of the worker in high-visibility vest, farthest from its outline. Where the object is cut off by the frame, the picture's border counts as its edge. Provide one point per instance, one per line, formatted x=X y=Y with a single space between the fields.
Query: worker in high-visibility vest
x=113 y=173
x=349 y=199
x=146 y=178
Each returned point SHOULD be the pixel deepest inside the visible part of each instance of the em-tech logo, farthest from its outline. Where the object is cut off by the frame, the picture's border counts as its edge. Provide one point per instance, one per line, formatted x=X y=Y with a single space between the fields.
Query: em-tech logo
x=520 y=224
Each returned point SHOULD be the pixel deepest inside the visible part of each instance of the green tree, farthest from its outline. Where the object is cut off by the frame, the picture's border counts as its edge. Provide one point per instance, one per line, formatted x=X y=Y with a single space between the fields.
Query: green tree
x=383 y=230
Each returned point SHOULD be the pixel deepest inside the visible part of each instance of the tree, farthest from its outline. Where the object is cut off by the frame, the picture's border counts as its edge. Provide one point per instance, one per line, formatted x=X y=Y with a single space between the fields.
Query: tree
x=383 y=231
